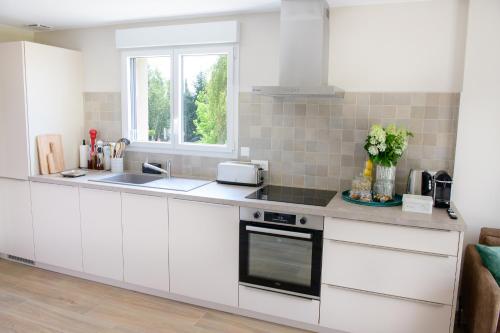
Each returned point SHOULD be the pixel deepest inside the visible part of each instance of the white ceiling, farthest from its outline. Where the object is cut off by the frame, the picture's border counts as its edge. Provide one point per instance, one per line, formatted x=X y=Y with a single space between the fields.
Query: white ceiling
x=86 y=13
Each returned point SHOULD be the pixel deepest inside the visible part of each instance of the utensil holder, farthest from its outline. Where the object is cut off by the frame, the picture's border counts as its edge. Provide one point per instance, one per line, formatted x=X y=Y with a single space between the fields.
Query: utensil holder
x=117 y=165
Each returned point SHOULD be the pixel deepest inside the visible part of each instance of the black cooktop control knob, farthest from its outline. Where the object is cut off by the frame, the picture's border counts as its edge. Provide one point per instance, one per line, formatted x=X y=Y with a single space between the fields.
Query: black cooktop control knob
x=256 y=215
x=303 y=220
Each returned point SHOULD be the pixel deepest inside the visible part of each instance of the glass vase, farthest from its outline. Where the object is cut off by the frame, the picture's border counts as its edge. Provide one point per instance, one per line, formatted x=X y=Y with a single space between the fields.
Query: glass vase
x=384 y=188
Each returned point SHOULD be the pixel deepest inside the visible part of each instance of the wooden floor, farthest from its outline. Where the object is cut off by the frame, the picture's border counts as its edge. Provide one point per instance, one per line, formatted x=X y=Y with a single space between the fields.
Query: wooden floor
x=35 y=300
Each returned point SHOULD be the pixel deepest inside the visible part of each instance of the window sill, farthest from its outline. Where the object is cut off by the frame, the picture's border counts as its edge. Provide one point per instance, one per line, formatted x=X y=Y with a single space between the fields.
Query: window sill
x=155 y=148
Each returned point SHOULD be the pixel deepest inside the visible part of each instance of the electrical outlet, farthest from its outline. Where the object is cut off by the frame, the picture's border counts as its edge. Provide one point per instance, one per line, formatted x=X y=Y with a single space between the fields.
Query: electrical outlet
x=245 y=151
x=263 y=164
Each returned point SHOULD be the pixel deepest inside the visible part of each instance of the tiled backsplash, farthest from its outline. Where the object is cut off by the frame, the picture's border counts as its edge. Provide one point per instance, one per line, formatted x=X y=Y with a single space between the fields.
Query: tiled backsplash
x=315 y=143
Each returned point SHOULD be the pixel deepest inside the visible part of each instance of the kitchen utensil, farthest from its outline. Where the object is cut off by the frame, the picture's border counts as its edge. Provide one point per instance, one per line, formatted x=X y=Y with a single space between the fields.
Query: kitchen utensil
x=50 y=144
x=125 y=141
x=118 y=150
x=50 y=159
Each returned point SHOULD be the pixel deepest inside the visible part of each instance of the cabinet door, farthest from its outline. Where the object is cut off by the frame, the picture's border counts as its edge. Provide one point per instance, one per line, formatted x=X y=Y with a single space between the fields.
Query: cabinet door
x=13 y=115
x=56 y=224
x=101 y=233
x=15 y=219
x=357 y=311
x=54 y=86
x=145 y=240
x=204 y=251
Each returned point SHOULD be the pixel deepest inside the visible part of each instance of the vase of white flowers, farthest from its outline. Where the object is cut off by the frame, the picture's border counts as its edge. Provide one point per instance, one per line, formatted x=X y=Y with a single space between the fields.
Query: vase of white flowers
x=385 y=146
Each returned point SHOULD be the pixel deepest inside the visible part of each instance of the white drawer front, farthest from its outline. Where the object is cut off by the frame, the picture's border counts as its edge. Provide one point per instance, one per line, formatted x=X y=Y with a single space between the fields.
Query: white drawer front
x=279 y=305
x=416 y=239
x=413 y=275
x=358 y=312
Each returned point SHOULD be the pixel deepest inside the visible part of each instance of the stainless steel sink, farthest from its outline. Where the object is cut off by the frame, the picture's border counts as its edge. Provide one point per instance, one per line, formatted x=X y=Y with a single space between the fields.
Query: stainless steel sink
x=151 y=181
x=129 y=179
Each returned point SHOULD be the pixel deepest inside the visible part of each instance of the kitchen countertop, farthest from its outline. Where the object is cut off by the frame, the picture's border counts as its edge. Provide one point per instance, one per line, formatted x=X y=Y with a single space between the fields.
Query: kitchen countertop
x=235 y=195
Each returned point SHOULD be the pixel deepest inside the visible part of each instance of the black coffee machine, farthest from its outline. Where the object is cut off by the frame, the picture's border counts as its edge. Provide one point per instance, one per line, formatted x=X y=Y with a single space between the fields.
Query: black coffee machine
x=438 y=186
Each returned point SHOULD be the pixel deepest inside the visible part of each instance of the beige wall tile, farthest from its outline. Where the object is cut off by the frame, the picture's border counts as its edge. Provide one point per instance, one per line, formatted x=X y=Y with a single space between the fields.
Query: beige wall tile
x=312 y=142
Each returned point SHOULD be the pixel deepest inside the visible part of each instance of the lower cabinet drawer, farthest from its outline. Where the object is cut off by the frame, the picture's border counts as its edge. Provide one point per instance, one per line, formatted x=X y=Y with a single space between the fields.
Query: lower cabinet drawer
x=395 y=236
x=279 y=305
x=360 y=312
x=413 y=275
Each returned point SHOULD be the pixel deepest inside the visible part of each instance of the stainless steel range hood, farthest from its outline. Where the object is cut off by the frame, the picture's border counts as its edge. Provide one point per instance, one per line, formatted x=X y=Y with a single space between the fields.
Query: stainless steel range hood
x=304 y=51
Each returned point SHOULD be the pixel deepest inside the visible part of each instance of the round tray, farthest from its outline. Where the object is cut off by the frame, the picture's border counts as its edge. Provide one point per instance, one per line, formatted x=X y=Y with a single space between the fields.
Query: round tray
x=396 y=201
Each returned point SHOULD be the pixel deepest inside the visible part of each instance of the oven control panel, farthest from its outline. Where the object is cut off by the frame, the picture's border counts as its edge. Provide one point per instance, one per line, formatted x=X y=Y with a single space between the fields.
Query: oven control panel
x=282 y=218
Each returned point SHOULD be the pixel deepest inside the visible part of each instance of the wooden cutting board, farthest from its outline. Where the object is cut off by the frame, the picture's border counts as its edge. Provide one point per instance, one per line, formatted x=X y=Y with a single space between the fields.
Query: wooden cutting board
x=50 y=153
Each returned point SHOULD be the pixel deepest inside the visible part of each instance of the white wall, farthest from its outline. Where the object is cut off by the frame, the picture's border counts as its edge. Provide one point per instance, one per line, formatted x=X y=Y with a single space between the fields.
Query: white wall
x=258 y=50
x=478 y=154
x=399 y=47
x=10 y=34
x=392 y=47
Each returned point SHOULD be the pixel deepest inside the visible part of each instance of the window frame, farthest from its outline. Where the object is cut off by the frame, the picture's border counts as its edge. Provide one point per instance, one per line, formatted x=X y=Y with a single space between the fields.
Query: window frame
x=176 y=144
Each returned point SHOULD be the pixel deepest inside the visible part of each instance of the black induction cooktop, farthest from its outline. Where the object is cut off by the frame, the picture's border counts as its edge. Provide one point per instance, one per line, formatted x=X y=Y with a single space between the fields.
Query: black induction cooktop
x=303 y=196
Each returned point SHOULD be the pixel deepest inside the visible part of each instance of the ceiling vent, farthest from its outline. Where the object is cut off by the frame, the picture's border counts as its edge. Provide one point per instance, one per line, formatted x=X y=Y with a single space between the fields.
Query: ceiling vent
x=39 y=27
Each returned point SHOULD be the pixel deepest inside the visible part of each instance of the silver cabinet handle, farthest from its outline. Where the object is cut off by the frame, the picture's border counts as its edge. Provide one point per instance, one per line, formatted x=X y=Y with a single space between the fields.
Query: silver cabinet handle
x=387 y=296
x=391 y=248
x=279 y=232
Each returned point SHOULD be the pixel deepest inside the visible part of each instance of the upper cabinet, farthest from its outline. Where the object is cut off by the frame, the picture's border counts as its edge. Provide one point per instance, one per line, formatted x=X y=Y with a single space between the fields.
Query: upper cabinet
x=40 y=93
x=13 y=112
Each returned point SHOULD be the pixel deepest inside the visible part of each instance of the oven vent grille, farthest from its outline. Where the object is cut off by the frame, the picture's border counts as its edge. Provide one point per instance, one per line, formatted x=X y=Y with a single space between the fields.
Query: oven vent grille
x=23 y=260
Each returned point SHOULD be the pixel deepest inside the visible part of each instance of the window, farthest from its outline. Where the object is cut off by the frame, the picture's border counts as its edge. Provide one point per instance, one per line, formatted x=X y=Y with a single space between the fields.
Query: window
x=181 y=100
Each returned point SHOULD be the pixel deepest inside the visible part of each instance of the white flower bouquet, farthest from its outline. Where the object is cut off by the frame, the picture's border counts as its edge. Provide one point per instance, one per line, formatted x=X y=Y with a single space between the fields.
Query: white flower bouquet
x=385 y=146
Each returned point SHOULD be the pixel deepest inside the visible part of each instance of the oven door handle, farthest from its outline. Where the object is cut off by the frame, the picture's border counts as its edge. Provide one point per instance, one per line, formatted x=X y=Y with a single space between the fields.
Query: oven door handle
x=279 y=232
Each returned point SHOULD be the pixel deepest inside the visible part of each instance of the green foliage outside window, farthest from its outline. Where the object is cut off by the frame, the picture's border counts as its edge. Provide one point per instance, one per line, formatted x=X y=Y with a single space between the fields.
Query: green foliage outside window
x=211 y=106
x=158 y=106
x=205 y=110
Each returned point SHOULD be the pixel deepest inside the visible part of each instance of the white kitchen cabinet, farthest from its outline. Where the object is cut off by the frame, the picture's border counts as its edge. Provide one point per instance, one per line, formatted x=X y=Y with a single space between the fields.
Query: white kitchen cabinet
x=101 y=233
x=40 y=93
x=280 y=305
x=13 y=112
x=394 y=236
x=16 y=225
x=422 y=276
x=145 y=240
x=396 y=278
x=204 y=251
x=356 y=311
x=56 y=224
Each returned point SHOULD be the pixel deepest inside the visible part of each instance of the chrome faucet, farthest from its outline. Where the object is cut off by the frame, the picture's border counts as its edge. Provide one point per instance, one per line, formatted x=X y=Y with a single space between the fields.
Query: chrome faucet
x=167 y=172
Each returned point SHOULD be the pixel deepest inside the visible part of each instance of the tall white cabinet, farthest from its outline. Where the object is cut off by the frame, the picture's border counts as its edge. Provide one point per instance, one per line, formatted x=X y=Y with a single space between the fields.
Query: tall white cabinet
x=40 y=93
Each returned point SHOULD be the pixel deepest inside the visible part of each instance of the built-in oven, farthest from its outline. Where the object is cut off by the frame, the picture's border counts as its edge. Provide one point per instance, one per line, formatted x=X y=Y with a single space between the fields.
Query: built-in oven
x=281 y=252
